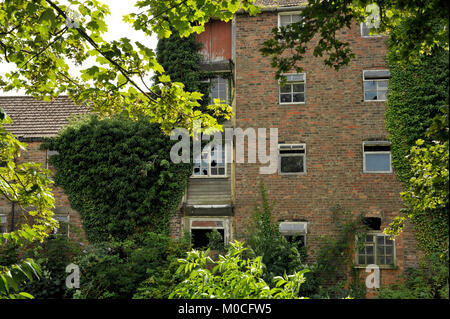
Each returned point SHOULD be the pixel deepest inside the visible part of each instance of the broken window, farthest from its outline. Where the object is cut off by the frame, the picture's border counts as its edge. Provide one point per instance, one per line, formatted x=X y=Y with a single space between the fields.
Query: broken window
x=293 y=91
x=212 y=232
x=294 y=232
x=292 y=158
x=375 y=248
x=375 y=84
x=377 y=157
x=211 y=162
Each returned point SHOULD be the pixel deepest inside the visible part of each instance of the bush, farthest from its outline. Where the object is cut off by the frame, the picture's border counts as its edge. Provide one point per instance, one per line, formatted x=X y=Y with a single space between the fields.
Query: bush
x=232 y=277
x=118 y=175
x=140 y=266
x=264 y=239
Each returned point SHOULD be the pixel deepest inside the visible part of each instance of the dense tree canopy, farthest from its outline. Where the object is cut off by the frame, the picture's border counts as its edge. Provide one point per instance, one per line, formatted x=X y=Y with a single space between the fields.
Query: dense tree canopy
x=42 y=37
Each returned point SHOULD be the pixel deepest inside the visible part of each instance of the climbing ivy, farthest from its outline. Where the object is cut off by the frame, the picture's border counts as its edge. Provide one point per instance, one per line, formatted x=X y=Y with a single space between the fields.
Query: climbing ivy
x=416 y=93
x=118 y=175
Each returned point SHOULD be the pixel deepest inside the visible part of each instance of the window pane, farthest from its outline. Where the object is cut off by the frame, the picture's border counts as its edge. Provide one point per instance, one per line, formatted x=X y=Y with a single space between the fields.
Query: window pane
x=361 y=260
x=285 y=20
x=370 y=260
x=382 y=84
x=285 y=98
x=382 y=95
x=369 y=239
x=381 y=260
x=370 y=96
x=286 y=88
x=296 y=18
x=298 y=88
x=370 y=86
x=369 y=250
x=380 y=240
x=377 y=162
x=389 y=260
x=292 y=164
x=299 y=97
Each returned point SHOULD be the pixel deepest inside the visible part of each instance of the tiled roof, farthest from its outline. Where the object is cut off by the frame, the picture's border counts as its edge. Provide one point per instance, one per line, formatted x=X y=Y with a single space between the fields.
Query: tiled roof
x=34 y=118
x=281 y=3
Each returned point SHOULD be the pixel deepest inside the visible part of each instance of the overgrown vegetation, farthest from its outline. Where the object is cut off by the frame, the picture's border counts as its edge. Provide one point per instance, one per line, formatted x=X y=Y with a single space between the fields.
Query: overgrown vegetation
x=118 y=175
x=232 y=277
x=416 y=95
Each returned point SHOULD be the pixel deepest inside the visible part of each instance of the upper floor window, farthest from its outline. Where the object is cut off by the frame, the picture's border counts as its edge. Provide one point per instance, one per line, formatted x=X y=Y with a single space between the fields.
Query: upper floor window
x=366 y=30
x=375 y=248
x=211 y=162
x=219 y=90
x=377 y=157
x=292 y=159
x=293 y=91
x=3 y=224
x=375 y=84
x=287 y=18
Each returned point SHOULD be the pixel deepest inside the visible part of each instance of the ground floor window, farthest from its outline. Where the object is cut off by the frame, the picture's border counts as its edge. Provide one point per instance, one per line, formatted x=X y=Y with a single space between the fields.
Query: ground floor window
x=63 y=225
x=209 y=231
x=294 y=232
x=375 y=248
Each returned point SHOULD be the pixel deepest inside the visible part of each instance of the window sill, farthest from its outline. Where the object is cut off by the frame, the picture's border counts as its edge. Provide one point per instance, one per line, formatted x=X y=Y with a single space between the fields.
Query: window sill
x=374 y=101
x=291 y=103
x=384 y=267
x=291 y=174
x=369 y=172
x=208 y=177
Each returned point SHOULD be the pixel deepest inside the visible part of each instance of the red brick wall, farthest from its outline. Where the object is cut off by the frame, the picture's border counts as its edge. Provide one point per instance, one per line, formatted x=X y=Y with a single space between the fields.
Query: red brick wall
x=62 y=205
x=333 y=123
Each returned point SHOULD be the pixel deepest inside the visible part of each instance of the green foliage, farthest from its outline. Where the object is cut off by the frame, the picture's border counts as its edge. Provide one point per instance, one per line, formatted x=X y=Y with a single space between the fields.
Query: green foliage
x=416 y=94
x=28 y=186
x=334 y=259
x=415 y=28
x=53 y=256
x=232 y=277
x=36 y=38
x=118 y=175
x=278 y=255
x=143 y=267
x=428 y=281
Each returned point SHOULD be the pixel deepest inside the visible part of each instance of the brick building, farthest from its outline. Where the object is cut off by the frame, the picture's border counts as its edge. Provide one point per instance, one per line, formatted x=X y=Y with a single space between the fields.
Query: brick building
x=332 y=147
x=33 y=121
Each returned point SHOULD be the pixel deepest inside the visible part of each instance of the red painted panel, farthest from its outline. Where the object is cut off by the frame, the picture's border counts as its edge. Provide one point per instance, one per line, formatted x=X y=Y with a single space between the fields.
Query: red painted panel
x=216 y=41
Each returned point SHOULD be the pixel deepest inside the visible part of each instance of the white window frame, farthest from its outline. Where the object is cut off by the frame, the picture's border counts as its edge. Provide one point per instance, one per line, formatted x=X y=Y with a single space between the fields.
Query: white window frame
x=292 y=82
x=224 y=220
x=374 y=80
x=4 y=222
x=301 y=146
x=368 y=36
x=376 y=143
x=287 y=13
x=227 y=89
x=225 y=175
x=375 y=250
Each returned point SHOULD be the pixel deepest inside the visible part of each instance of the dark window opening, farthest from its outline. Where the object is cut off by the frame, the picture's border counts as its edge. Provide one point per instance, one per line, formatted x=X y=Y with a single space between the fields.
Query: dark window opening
x=299 y=240
x=200 y=237
x=373 y=223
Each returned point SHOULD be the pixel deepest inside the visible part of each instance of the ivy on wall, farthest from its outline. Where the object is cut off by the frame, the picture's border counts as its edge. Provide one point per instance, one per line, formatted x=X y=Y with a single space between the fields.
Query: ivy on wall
x=416 y=94
x=118 y=175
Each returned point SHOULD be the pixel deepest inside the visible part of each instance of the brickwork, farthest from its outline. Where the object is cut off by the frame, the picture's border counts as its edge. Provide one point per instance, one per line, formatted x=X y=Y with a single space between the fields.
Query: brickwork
x=333 y=123
x=62 y=204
